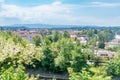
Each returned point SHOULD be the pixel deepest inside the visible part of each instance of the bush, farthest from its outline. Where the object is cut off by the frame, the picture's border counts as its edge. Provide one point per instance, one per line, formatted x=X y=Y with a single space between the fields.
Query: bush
x=114 y=66
x=92 y=74
x=15 y=74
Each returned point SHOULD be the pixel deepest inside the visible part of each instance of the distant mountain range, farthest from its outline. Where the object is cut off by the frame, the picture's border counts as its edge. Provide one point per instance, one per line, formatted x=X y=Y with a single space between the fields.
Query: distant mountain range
x=49 y=26
x=45 y=26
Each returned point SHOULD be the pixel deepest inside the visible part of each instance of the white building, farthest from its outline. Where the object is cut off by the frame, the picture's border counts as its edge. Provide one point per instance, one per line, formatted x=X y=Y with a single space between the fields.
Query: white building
x=114 y=43
x=117 y=37
x=104 y=53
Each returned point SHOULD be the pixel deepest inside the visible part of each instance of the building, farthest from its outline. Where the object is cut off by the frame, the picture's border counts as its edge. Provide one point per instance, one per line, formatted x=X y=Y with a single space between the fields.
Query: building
x=83 y=38
x=104 y=53
x=28 y=35
x=117 y=37
x=114 y=43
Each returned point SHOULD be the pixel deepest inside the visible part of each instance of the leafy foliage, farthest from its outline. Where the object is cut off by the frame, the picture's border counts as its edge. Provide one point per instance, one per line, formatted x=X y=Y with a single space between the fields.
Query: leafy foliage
x=113 y=67
x=37 y=40
x=61 y=52
x=15 y=53
x=15 y=74
x=93 y=74
x=57 y=52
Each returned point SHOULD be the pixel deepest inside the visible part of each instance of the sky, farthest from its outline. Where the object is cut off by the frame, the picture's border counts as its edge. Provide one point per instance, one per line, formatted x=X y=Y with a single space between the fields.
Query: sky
x=63 y=12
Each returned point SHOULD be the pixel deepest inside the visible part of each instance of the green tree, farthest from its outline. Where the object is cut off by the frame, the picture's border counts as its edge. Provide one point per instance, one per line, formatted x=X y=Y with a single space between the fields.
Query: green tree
x=64 y=48
x=15 y=74
x=95 y=31
x=101 y=45
x=93 y=74
x=113 y=67
x=37 y=40
x=67 y=54
x=66 y=34
x=90 y=33
x=57 y=36
x=15 y=53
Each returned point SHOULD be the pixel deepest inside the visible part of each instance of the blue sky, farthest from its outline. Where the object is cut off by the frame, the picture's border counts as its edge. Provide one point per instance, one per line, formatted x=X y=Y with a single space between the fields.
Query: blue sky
x=77 y=12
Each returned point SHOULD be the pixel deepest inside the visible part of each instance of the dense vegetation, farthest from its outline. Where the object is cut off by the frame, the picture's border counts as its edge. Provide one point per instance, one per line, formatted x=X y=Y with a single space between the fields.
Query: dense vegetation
x=56 y=52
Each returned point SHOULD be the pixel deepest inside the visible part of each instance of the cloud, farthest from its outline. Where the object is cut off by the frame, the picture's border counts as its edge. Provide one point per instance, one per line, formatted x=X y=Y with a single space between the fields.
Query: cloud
x=57 y=3
x=54 y=13
x=96 y=4
x=35 y=13
x=104 y=4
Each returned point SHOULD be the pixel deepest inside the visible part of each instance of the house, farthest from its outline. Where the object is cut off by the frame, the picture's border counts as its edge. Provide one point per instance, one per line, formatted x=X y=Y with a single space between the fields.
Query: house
x=104 y=53
x=28 y=35
x=113 y=43
x=83 y=38
x=72 y=34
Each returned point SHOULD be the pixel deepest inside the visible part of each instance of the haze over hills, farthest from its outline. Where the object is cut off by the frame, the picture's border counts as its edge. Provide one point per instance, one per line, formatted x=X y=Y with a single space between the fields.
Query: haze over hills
x=53 y=26
x=45 y=26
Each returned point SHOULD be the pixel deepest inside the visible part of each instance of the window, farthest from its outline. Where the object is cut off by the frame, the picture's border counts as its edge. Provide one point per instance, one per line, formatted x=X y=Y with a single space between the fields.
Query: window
x=103 y=54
